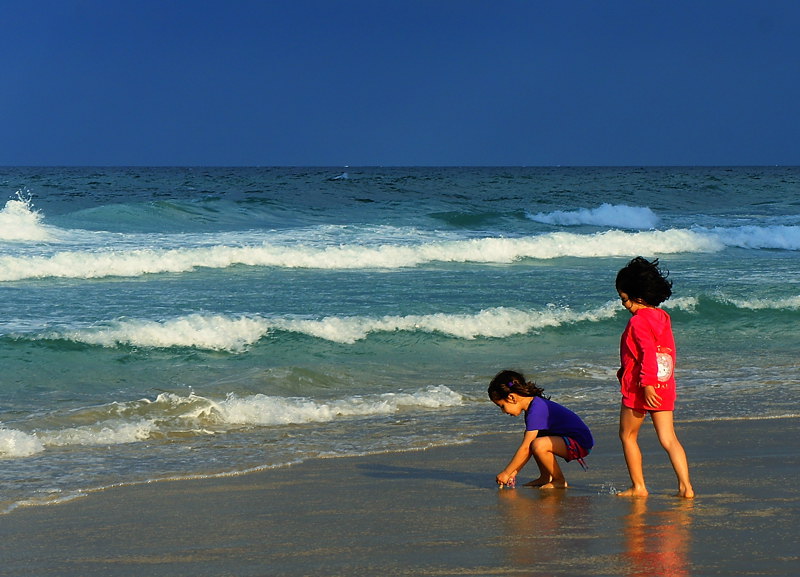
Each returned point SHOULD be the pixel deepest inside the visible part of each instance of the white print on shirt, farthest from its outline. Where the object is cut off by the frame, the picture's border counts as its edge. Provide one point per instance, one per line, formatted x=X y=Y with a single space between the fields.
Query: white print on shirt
x=665 y=364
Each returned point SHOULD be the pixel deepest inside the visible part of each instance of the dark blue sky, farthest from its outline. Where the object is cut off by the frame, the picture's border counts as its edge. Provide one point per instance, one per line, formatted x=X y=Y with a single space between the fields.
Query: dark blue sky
x=385 y=82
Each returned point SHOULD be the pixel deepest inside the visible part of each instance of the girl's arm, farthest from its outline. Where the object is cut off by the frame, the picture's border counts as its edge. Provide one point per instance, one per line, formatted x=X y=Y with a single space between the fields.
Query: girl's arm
x=651 y=397
x=519 y=459
x=648 y=377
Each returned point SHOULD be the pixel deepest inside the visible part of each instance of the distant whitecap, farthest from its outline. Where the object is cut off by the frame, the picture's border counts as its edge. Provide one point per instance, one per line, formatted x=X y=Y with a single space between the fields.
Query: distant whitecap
x=608 y=215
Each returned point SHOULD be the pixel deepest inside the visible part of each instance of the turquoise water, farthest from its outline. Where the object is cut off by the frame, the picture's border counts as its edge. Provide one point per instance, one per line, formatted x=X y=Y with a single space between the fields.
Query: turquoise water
x=178 y=322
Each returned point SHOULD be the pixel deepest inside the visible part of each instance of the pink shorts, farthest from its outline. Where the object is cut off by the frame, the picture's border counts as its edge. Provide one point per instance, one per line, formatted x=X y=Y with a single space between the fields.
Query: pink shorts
x=575 y=452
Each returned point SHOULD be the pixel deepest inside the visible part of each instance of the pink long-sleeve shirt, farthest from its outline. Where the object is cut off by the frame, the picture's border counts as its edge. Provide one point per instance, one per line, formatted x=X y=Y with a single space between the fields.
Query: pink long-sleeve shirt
x=647 y=355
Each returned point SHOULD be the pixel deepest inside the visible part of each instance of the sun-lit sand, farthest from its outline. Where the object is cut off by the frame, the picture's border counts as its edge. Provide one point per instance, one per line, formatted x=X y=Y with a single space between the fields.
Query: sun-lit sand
x=438 y=512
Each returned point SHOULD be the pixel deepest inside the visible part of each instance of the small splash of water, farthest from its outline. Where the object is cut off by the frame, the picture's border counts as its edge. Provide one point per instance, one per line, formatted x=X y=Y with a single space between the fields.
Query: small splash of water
x=608 y=489
x=20 y=222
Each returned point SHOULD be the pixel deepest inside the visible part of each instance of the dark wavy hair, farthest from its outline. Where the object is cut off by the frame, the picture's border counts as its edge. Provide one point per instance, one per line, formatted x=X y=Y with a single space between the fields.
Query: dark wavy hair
x=643 y=279
x=506 y=382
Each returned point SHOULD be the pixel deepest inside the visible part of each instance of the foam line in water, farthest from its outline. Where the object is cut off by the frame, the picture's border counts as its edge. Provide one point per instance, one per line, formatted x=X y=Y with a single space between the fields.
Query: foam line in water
x=99 y=263
x=236 y=333
x=606 y=215
x=788 y=303
x=496 y=322
x=781 y=237
x=210 y=332
x=403 y=251
x=171 y=414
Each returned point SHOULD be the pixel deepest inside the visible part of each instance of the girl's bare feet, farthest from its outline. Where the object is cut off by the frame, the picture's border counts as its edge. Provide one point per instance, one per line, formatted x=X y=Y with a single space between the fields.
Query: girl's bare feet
x=541 y=481
x=685 y=492
x=554 y=485
x=633 y=492
x=547 y=482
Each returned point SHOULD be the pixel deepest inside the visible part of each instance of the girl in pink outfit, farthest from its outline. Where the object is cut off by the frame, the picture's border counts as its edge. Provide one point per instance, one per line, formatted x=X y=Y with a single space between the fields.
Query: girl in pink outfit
x=646 y=374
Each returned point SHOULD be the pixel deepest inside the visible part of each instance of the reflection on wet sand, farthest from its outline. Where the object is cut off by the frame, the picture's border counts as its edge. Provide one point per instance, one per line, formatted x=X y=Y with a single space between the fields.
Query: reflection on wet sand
x=543 y=527
x=657 y=544
x=555 y=532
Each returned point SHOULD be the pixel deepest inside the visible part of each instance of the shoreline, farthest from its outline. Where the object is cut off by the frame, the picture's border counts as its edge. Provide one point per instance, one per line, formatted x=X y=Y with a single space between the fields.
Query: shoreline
x=438 y=512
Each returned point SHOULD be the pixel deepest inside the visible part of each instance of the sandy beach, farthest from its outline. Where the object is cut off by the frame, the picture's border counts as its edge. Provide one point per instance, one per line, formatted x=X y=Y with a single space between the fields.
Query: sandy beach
x=438 y=512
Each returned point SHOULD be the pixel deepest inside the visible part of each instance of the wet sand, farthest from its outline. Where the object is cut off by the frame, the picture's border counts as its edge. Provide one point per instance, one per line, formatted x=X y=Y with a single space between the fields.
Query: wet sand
x=438 y=512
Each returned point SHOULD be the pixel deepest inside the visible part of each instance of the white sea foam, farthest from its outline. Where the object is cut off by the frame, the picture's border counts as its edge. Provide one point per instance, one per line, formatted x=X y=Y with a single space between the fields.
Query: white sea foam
x=402 y=251
x=236 y=334
x=788 y=303
x=15 y=443
x=610 y=215
x=113 y=432
x=100 y=263
x=683 y=303
x=169 y=414
x=760 y=237
x=690 y=304
x=496 y=322
x=211 y=332
x=266 y=410
x=20 y=222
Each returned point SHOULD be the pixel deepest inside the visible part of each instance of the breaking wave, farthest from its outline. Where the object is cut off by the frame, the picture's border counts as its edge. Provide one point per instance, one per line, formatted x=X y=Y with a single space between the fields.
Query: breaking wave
x=170 y=414
x=236 y=334
x=616 y=216
x=99 y=263
x=20 y=222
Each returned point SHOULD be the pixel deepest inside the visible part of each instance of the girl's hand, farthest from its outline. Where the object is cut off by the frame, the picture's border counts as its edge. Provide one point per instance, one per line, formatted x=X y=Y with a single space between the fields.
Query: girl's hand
x=504 y=479
x=651 y=397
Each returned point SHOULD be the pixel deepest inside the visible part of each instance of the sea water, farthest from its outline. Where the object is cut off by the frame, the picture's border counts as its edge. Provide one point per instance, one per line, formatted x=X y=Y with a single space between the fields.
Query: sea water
x=170 y=323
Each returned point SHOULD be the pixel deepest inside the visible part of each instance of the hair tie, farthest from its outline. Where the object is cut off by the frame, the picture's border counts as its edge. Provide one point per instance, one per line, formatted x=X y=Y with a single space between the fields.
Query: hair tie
x=511 y=384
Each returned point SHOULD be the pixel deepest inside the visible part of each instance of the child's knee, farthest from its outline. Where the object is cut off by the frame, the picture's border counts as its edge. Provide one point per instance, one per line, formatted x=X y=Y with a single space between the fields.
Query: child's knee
x=541 y=446
x=670 y=444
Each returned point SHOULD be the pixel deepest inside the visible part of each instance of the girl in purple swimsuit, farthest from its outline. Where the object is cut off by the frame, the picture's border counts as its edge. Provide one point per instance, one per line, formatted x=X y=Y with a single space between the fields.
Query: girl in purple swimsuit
x=551 y=430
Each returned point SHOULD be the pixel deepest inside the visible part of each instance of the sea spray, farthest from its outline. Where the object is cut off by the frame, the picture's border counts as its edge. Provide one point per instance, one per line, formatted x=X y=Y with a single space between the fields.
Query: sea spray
x=20 y=222
x=606 y=215
x=15 y=443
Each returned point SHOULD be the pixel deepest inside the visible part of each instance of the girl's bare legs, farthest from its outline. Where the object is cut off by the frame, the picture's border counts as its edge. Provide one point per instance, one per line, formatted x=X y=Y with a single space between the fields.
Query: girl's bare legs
x=630 y=422
x=544 y=451
x=665 y=429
